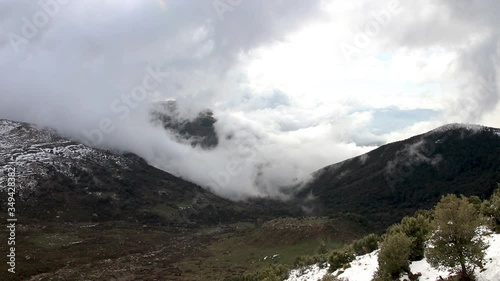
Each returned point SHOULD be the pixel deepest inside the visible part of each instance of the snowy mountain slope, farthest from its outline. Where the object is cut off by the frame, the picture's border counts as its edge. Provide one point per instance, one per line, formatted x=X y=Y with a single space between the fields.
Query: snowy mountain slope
x=35 y=151
x=363 y=267
x=61 y=180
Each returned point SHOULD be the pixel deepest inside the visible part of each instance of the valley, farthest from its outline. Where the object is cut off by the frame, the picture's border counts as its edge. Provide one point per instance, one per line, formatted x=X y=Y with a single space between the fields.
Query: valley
x=89 y=214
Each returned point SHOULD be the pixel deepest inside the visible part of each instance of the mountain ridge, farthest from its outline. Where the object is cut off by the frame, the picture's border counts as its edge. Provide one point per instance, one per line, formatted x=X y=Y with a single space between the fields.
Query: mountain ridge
x=60 y=179
x=400 y=177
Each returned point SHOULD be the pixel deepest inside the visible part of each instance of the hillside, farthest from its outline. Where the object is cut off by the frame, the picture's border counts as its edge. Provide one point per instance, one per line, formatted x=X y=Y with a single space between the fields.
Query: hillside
x=394 y=180
x=364 y=267
x=90 y=214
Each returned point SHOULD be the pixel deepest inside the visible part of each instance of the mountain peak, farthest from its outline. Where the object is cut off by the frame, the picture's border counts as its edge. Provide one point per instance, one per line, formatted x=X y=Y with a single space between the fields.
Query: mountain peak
x=458 y=126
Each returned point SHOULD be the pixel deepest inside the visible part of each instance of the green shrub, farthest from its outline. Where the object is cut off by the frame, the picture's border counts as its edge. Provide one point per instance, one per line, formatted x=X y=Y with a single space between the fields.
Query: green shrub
x=418 y=228
x=272 y=273
x=393 y=258
x=366 y=244
x=302 y=261
x=476 y=201
x=341 y=258
x=491 y=209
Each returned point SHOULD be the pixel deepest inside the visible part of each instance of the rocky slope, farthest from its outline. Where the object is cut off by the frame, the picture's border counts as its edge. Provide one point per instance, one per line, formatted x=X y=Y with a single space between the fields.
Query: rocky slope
x=62 y=180
x=198 y=131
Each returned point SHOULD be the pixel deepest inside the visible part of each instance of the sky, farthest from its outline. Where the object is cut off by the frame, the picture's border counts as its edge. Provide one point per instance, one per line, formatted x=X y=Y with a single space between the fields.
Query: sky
x=296 y=84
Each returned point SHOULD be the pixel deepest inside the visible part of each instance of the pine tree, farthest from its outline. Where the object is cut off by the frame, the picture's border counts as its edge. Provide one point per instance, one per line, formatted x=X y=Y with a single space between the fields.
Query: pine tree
x=393 y=258
x=491 y=209
x=417 y=227
x=455 y=242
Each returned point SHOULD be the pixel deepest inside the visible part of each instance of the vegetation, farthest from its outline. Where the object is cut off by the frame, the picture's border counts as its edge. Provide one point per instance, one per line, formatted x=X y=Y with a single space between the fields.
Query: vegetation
x=491 y=209
x=393 y=258
x=271 y=273
x=418 y=228
x=455 y=240
x=453 y=228
x=366 y=244
x=466 y=162
x=341 y=258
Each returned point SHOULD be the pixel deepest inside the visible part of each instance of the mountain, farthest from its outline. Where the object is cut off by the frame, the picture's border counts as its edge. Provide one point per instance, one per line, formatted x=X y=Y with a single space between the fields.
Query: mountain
x=89 y=214
x=59 y=179
x=394 y=180
x=198 y=131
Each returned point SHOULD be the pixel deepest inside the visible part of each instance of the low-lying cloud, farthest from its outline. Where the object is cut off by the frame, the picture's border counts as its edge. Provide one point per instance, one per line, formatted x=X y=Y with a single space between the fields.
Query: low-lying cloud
x=93 y=69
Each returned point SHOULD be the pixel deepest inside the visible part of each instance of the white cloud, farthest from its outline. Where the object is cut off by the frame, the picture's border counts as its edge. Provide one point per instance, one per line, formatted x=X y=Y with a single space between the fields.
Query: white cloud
x=273 y=72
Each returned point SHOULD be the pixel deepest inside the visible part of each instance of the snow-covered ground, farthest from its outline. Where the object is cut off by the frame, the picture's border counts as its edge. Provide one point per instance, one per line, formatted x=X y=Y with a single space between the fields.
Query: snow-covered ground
x=36 y=151
x=363 y=267
x=313 y=272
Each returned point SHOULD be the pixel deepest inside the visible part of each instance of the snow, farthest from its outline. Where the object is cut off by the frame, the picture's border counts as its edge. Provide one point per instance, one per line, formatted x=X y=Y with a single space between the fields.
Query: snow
x=455 y=126
x=492 y=272
x=363 y=267
x=428 y=273
x=36 y=151
x=314 y=273
x=492 y=266
x=470 y=127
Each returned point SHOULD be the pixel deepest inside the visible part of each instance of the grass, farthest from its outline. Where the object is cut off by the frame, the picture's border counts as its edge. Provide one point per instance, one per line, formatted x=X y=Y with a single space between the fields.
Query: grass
x=104 y=251
x=278 y=241
x=166 y=211
x=54 y=240
x=49 y=247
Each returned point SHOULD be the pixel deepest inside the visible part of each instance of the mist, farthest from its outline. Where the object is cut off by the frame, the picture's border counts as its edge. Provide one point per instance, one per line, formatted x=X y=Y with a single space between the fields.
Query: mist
x=286 y=100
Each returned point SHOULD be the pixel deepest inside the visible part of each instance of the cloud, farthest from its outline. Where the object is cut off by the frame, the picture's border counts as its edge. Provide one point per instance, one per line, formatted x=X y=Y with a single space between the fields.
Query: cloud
x=470 y=28
x=286 y=101
x=84 y=64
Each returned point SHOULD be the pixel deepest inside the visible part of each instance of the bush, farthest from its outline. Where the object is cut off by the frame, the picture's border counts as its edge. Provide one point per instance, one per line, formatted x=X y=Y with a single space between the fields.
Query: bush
x=365 y=245
x=393 y=258
x=476 y=201
x=303 y=261
x=418 y=228
x=272 y=273
x=340 y=258
x=491 y=209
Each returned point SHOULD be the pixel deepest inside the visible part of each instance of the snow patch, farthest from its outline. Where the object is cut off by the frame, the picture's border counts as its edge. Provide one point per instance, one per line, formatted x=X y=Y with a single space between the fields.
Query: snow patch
x=364 y=267
x=456 y=126
x=313 y=273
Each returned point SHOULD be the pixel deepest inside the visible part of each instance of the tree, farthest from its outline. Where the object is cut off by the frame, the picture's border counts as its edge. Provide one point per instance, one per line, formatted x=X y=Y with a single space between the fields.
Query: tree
x=491 y=208
x=393 y=258
x=340 y=258
x=418 y=228
x=455 y=242
x=366 y=244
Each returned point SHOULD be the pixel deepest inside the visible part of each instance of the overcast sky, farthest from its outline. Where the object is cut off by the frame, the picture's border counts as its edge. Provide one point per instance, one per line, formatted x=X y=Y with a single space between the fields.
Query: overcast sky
x=297 y=84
